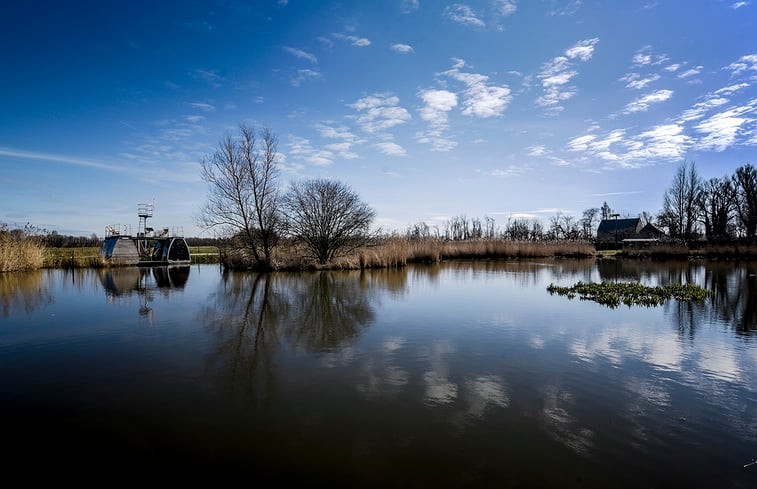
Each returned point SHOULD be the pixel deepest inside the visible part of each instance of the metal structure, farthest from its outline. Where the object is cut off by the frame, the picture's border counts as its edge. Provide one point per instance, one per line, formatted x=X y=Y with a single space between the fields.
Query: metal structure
x=145 y=248
x=144 y=211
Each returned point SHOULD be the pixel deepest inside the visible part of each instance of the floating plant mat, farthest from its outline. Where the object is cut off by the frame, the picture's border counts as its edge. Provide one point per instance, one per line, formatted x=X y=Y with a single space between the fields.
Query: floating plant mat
x=613 y=294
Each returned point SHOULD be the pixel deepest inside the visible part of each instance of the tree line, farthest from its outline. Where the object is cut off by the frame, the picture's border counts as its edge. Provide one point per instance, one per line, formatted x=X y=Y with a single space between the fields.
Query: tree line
x=248 y=204
x=720 y=209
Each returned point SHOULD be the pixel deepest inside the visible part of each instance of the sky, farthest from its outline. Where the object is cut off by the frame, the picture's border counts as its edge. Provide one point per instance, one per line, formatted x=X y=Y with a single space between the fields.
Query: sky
x=427 y=109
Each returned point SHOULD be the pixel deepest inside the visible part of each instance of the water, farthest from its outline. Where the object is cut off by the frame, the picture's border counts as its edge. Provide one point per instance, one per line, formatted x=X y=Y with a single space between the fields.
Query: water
x=463 y=374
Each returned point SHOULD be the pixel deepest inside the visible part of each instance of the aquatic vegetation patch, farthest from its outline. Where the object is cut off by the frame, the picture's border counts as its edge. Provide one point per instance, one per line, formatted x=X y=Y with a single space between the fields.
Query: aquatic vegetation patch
x=613 y=294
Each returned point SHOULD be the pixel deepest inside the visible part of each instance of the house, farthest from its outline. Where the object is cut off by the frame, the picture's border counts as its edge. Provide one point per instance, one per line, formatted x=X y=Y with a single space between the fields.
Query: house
x=651 y=231
x=616 y=230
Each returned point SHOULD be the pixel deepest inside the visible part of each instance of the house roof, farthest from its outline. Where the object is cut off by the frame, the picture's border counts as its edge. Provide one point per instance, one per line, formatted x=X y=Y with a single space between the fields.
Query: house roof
x=621 y=225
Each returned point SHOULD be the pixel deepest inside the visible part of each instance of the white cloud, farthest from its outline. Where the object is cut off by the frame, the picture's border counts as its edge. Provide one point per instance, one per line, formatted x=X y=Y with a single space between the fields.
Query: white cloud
x=463 y=14
x=700 y=108
x=390 y=148
x=636 y=82
x=537 y=150
x=745 y=63
x=507 y=171
x=33 y=155
x=205 y=107
x=557 y=73
x=619 y=149
x=505 y=7
x=663 y=142
x=380 y=112
x=731 y=89
x=210 y=76
x=645 y=57
x=408 y=6
x=643 y=103
x=583 y=50
x=304 y=74
x=480 y=99
x=722 y=129
x=564 y=7
x=325 y=41
x=690 y=72
x=437 y=140
x=299 y=53
x=435 y=111
x=340 y=132
x=354 y=40
x=343 y=150
x=598 y=147
x=738 y=5
x=300 y=148
x=402 y=48
x=673 y=67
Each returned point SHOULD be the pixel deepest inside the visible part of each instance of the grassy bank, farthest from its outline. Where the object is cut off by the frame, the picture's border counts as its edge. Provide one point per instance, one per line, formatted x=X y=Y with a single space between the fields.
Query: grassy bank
x=87 y=257
x=25 y=253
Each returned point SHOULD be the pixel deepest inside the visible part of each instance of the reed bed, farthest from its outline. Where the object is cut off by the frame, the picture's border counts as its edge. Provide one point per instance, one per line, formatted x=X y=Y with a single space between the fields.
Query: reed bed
x=730 y=251
x=437 y=250
x=397 y=252
x=20 y=252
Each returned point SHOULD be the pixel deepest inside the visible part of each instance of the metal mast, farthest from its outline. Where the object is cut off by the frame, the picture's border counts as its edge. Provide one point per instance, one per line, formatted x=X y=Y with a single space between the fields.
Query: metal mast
x=144 y=211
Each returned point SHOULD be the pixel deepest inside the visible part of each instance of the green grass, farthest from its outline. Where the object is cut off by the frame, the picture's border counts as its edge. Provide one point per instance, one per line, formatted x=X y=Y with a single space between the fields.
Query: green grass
x=88 y=257
x=612 y=294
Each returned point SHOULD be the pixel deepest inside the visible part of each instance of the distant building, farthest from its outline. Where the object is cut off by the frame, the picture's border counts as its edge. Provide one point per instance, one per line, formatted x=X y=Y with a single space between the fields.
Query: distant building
x=616 y=230
x=628 y=231
x=651 y=231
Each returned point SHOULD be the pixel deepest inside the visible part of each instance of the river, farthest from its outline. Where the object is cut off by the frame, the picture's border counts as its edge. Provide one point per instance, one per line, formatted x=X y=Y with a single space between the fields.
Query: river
x=460 y=374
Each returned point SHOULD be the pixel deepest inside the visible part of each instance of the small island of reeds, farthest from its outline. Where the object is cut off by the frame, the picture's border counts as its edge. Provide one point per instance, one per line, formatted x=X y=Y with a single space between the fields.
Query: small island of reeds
x=612 y=294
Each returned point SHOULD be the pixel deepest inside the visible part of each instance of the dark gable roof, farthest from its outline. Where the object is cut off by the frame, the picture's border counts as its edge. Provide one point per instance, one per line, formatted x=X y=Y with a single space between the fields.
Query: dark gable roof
x=652 y=230
x=613 y=230
x=628 y=225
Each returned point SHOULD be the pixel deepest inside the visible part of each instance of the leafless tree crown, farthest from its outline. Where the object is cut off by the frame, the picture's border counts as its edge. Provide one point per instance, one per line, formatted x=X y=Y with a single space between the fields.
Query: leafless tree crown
x=328 y=217
x=243 y=194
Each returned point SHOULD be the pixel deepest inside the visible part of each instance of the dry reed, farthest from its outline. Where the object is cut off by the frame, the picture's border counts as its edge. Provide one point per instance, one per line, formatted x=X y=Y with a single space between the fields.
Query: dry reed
x=20 y=252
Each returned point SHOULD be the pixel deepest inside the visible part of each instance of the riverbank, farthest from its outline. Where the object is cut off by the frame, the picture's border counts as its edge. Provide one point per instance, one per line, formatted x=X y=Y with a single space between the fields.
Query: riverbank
x=391 y=252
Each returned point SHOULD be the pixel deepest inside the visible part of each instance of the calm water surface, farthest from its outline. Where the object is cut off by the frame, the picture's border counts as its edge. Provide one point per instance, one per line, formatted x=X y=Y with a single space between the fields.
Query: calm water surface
x=453 y=375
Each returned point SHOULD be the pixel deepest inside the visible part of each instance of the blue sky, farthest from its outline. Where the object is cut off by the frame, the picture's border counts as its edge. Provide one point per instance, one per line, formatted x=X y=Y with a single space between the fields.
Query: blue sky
x=428 y=109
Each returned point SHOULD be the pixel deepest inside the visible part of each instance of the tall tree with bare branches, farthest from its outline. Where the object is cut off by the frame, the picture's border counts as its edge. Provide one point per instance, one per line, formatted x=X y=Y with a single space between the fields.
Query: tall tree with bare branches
x=328 y=217
x=717 y=202
x=745 y=181
x=680 y=208
x=243 y=193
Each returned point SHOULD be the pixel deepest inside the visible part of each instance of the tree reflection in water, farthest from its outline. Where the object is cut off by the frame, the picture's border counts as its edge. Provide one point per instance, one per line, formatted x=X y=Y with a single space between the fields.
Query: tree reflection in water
x=256 y=314
x=733 y=286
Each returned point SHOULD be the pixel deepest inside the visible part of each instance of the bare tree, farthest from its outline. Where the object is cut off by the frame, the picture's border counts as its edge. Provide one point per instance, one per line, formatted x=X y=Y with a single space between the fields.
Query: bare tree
x=328 y=217
x=419 y=230
x=587 y=222
x=517 y=229
x=646 y=217
x=243 y=194
x=717 y=203
x=606 y=211
x=745 y=181
x=490 y=231
x=680 y=211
